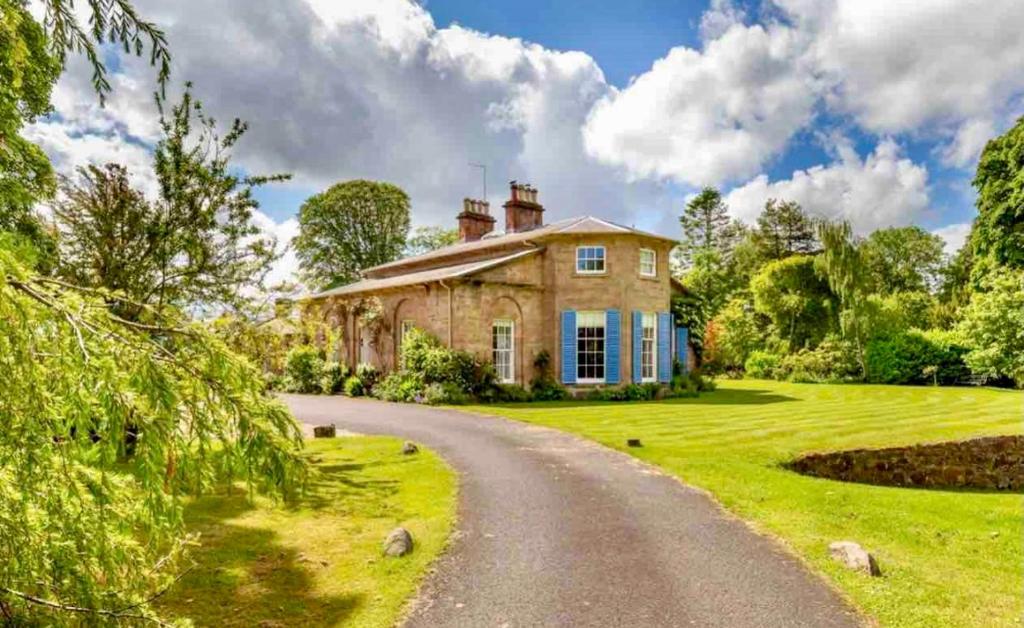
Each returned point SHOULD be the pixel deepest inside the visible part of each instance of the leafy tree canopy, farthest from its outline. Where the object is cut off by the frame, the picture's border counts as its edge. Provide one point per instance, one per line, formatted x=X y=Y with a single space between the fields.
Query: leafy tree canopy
x=32 y=55
x=999 y=229
x=798 y=302
x=426 y=239
x=903 y=259
x=196 y=244
x=76 y=495
x=783 y=229
x=992 y=324
x=349 y=227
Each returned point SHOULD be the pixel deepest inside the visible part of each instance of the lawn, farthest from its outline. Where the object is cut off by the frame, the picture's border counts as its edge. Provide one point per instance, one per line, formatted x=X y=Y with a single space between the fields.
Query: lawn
x=319 y=563
x=949 y=558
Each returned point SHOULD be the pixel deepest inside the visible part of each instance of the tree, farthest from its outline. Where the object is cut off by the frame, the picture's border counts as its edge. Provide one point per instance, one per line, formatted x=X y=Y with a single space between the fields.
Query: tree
x=32 y=55
x=96 y=519
x=426 y=239
x=992 y=325
x=707 y=227
x=999 y=229
x=903 y=259
x=738 y=333
x=195 y=245
x=783 y=229
x=798 y=302
x=842 y=264
x=349 y=227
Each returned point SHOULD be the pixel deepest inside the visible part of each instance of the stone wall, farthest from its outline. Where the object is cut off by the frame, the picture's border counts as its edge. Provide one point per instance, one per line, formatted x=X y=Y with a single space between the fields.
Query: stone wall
x=995 y=462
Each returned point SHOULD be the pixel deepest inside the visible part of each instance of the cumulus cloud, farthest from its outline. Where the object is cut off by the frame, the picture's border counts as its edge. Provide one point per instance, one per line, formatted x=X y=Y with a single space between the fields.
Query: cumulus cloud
x=706 y=116
x=954 y=236
x=896 y=66
x=881 y=190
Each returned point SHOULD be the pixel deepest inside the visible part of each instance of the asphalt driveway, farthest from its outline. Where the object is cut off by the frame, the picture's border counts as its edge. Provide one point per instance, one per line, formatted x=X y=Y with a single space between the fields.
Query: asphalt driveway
x=554 y=530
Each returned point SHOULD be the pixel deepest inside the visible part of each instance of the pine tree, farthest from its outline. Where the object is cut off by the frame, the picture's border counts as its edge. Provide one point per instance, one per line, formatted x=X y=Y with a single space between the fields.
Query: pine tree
x=706 y=226
x=783 y=229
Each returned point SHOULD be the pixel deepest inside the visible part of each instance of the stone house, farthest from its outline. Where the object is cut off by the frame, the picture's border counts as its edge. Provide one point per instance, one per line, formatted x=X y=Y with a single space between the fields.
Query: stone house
x=595 y=295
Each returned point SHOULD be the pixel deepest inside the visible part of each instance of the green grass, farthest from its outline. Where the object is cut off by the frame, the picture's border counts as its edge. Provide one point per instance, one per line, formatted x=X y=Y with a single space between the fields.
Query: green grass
x=319 y=563
x=949 y=558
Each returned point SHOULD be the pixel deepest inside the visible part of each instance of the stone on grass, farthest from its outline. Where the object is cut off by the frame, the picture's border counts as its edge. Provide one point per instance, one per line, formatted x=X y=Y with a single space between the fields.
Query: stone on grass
x=409 y=448
x=855 y=557
x=633 y=442
x=398 y=543
x=324 y=431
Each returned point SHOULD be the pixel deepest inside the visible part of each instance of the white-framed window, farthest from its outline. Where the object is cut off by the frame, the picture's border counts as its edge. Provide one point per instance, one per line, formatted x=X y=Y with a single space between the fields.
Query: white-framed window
x=648 y=347
x=648 y=263
x=590 y=336
x=503 y=342
x=589 y=260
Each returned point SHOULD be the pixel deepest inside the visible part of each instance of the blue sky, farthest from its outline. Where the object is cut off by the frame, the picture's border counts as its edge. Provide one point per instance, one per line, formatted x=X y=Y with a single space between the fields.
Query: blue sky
x=870 y=111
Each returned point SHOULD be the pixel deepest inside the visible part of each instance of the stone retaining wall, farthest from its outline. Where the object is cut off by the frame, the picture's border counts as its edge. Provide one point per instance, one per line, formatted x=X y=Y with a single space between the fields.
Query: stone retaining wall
x=995 y=462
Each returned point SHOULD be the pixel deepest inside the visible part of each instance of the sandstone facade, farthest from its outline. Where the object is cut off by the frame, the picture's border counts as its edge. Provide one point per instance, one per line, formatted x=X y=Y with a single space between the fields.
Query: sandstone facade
x=528 y=277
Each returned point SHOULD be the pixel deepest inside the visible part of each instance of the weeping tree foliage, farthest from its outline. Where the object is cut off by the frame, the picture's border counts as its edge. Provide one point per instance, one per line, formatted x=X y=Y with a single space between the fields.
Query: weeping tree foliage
x=105 y=424
x=842 y=263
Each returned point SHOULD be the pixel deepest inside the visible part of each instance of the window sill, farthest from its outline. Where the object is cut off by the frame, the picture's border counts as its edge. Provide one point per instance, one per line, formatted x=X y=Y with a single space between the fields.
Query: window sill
x=589 y=382
x=593 y=273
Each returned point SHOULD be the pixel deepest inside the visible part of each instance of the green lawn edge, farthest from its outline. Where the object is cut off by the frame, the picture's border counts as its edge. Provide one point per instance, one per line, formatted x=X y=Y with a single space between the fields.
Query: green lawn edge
x=951 y=558
x=319 y=562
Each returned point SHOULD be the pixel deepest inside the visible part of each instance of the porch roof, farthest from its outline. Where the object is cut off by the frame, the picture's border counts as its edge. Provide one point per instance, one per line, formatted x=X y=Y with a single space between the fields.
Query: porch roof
x=424 y=276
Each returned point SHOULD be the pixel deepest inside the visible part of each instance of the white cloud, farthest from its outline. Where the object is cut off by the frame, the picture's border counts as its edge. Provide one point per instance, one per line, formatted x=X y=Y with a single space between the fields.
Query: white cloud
x=708 y=116
x=968 y=141
x=881 y=190
x=954 y=236
x=896 y=65
x=286 y=266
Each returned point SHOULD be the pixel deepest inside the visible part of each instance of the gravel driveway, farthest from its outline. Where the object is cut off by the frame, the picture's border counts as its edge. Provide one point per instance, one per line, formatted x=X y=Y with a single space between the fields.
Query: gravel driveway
x=554 y=530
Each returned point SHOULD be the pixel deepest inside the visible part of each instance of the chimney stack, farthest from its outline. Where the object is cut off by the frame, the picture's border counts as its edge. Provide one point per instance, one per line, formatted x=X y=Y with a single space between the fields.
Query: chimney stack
x=522 y=211
x=475 y=221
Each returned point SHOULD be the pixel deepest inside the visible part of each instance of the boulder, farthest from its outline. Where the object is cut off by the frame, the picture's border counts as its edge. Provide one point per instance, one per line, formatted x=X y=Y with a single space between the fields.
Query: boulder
x=324 y=431
x=398 y=543
x=409 y=448
x=855 y=557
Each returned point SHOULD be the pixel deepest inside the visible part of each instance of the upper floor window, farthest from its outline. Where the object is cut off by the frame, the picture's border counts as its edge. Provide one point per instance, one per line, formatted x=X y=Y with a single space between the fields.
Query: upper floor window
x=590 y=260
x=648 y=262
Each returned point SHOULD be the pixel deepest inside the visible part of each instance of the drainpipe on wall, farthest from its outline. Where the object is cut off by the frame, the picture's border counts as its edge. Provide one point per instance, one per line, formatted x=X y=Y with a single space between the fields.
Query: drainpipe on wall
x=450 y=311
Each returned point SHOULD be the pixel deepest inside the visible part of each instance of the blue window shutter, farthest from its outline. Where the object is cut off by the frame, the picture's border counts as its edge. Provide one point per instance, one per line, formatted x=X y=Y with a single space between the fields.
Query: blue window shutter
x=568 y=347
x=664 y=347
x=612 y=346
x=682 y=345
x=638 y=334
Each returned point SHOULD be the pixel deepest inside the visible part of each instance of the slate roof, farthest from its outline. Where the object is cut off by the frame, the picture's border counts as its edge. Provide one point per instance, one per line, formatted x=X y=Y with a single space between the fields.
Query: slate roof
x=569 y=226
x=423 y=276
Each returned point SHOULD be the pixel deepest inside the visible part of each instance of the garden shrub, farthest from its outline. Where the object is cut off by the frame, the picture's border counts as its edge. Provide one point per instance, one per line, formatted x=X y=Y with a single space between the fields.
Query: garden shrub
x=332 y=376
x=762 y=365
x=447 y=393
x=833 y=360
x=544 y=386
x=354 y=387
x=902 y=358
x=400 y=386
x=434 y=363
x=507 y=393
x=368 y=376
x=302 y=369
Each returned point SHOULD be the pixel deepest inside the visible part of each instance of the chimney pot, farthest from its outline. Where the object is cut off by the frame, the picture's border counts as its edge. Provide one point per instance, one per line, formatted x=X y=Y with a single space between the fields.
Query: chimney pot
x=475 y=220
x=522 y=211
